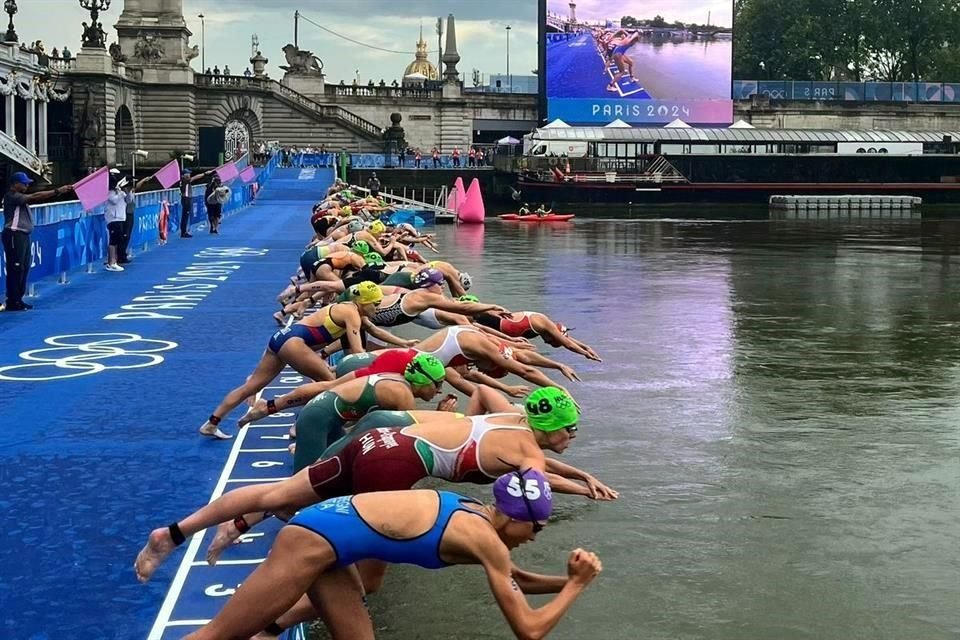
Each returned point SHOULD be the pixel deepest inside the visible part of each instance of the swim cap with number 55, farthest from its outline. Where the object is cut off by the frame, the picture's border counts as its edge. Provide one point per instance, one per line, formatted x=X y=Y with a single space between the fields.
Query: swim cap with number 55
x=551 y=409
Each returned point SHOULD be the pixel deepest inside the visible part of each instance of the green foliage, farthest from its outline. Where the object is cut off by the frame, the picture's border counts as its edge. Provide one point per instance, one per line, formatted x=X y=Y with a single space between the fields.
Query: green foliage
x=894 y=40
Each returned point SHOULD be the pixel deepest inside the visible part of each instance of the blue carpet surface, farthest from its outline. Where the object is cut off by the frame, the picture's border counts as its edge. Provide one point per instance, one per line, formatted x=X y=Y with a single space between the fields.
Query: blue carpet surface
x=104 y=386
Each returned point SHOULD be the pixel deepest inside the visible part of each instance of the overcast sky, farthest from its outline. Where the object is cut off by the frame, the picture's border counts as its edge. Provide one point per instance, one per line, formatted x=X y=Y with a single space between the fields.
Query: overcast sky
x=390 y=24
x=695 y=11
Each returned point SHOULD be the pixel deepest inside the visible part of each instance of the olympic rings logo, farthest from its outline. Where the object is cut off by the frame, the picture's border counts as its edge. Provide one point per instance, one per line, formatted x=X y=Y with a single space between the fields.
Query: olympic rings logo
x=82 y=354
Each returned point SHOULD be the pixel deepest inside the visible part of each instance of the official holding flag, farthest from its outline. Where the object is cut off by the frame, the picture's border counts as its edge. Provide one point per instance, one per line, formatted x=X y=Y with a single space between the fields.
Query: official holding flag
x=17 y=227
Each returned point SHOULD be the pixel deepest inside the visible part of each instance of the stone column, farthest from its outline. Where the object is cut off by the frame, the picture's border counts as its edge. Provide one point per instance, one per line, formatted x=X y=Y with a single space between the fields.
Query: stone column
x=42 y=149
x=10 y=126
x=31 y=125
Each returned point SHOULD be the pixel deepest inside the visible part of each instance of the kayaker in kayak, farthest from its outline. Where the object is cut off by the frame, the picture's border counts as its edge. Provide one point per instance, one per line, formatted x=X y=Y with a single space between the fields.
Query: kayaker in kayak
x=524 y=210
x=543 y=212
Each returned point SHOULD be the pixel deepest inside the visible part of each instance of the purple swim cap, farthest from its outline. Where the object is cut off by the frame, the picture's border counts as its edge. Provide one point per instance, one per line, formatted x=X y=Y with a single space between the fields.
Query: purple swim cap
x=509 y=492
x=427 y=278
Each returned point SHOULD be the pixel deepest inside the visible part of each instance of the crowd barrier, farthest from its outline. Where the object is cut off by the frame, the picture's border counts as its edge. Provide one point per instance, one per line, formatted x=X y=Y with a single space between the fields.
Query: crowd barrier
x=375 y=161
x=926 y=92
x=65 y=238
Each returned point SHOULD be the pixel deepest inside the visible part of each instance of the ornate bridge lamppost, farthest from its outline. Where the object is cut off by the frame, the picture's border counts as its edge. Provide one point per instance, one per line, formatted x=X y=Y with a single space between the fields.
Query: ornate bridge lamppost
x=10 y=7
x=94 y=35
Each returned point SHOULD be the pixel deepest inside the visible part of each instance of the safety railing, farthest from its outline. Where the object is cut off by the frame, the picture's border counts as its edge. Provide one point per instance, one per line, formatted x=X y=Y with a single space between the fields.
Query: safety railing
x=936 y=92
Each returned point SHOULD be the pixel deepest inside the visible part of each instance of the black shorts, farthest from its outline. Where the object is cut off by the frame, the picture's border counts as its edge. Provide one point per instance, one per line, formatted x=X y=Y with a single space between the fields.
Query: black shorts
x=115 y=229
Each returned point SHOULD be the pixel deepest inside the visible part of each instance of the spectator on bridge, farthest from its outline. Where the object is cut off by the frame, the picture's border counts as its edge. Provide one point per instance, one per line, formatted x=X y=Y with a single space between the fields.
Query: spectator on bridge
x=456 y=157
x=402 y=156
x=436 y=157
x=66 y=54
x=17 y=227
x=472 y=157
x=208 y=72
x=417 y=157
x=226 y=70
x=55 y=54
x=480 y=157
x=247 y=73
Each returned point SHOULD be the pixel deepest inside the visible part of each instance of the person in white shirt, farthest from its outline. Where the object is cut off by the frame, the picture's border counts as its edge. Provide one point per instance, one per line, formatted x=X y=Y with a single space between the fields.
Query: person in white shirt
x=114 y=215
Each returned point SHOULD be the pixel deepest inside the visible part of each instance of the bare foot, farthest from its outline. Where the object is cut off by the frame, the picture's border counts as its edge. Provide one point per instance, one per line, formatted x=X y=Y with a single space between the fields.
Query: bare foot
x=158 y=547
x=254 y=413
x=226 y=534
x=213 y=431
x=279 y=318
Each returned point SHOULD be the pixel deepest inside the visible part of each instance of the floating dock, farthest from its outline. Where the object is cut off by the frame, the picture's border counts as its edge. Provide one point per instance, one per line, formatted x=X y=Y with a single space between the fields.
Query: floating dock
x=865 y=206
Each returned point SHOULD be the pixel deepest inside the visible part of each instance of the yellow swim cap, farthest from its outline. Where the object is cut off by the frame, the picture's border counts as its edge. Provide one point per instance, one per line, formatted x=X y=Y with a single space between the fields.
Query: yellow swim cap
x=366 y=293
x=346 y=211
x=377 y=227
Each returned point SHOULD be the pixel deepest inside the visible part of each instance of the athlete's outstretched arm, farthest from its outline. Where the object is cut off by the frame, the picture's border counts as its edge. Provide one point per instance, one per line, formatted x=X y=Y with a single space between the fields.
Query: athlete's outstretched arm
x=459 y=383
x=535 y=359
x=516 y=391
x=536 y=583
x=385 y=336
x=487 y=400
x=598 y=490
x=528 y=623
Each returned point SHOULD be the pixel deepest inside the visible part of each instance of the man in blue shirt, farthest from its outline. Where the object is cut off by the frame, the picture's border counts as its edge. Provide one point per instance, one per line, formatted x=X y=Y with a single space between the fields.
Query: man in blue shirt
x=17 y=227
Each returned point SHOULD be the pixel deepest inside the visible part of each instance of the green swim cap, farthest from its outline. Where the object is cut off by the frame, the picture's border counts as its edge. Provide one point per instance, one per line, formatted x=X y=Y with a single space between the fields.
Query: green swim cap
x=550 y=409
x=425 y=370
x=373 y=259
x=361 y=247
x=468 y=298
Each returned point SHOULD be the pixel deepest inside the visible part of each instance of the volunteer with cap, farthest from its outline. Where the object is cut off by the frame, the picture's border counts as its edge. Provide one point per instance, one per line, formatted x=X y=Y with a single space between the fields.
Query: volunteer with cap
x=315 y=553
x=17 y=227
x=115 y=215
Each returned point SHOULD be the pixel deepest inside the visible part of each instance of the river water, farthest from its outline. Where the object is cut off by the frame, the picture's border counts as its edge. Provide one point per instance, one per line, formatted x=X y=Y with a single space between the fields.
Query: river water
x=778 y=406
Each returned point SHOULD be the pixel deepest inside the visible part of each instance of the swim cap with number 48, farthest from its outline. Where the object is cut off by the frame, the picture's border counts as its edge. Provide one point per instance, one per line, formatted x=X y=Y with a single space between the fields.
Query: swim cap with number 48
x=551 y=409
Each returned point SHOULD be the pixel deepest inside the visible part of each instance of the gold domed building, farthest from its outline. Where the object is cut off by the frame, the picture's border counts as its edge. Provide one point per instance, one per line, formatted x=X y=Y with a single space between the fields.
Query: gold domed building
x=421 y=68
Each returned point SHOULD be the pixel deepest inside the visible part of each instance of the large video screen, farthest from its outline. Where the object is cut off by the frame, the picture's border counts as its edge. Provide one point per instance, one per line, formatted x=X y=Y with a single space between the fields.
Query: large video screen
x=646 y=62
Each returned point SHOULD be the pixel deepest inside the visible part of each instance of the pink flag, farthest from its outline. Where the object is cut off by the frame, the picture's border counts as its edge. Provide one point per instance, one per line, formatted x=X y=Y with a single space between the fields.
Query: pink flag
x=248 y=175
x=169 y=175
x=94 y=189
x=228 y=172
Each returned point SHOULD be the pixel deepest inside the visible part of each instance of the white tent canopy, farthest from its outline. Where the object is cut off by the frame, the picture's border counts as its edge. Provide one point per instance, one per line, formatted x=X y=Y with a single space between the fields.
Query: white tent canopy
x=677 y=124
x=741 y=124
x=618 y=124
x=556 y=124
x=508 y=140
